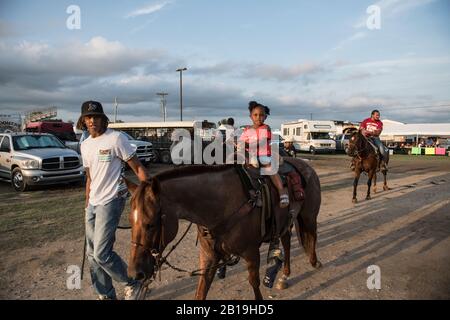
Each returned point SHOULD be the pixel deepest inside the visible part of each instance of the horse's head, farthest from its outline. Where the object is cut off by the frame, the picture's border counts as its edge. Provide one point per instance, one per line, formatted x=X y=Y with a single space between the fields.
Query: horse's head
x=354 y=144
x=151 y=229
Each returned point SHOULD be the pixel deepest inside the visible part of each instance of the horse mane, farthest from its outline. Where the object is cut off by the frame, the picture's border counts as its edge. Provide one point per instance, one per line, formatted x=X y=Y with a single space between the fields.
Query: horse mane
x=363 y=142
x=191 y=170
x=138 y=196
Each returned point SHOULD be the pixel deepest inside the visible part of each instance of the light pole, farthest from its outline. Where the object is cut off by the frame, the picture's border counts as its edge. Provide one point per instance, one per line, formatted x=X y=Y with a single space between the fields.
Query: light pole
x=181 y=91
x=115 y=109
x=163 y=103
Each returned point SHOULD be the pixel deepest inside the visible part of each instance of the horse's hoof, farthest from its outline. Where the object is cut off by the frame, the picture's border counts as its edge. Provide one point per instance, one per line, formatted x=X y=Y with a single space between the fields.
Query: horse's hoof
x=368 y=198
x=374 y=190
x=386 y=188
x=317 y=265
x=354 y=200
x=282 y=284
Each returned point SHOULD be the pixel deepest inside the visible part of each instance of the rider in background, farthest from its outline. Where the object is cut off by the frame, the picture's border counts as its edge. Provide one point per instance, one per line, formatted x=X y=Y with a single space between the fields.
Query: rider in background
x=262 y=134
x=372 y=128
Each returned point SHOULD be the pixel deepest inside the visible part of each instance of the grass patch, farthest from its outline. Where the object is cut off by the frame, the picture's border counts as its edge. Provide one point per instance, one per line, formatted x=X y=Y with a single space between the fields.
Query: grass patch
x=30 y=224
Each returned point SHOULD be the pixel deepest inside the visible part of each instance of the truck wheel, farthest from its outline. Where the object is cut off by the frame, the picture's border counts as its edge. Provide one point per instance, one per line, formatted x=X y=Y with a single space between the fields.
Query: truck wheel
x=165 y=157
x=346 y=149
x=157 y=157
x=312 y=150
x=18 y=181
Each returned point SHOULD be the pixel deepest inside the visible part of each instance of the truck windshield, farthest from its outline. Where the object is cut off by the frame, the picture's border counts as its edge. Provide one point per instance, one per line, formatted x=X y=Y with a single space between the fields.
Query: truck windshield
x=127 y=135
x=36 y=141
x=320 y=135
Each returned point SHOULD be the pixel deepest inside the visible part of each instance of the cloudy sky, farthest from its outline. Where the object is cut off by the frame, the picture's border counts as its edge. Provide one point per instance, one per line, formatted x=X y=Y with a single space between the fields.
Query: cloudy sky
x=301 y=58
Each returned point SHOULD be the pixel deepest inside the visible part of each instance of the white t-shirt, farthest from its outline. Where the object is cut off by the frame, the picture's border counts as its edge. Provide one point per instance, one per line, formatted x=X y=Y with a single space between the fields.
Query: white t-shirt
x=103 y=156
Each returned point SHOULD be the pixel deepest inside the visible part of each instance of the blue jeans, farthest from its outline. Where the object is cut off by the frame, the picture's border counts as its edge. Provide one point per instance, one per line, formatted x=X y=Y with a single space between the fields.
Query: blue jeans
x=377 y=142
x=105 y=264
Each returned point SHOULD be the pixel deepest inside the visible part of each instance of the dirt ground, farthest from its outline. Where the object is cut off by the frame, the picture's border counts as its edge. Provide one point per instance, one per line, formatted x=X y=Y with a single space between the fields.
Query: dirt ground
x=404 y=231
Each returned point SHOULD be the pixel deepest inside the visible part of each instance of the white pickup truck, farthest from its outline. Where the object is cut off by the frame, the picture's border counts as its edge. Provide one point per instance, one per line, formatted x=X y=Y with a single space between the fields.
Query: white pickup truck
x=37 y=159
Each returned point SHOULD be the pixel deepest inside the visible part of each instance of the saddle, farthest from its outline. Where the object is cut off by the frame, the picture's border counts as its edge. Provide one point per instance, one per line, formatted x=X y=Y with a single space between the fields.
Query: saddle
x=259 y=187
x=378 y=154
x=374 y=147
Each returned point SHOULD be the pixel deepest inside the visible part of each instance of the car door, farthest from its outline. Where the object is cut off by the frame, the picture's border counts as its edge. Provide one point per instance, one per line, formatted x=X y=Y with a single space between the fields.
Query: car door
x=5 y=157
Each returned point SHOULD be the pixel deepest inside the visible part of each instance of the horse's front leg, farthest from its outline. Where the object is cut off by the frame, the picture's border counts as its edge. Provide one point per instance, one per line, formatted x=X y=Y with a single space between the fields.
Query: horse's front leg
x=208 y=260
x=286 y=242
x=355 y=184
x=252 y=259
x=385 y=186
x=369 y=183
x=374 y=183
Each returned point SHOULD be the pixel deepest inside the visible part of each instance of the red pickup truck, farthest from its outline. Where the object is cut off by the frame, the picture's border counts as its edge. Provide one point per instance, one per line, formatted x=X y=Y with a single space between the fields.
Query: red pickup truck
x=62 y=130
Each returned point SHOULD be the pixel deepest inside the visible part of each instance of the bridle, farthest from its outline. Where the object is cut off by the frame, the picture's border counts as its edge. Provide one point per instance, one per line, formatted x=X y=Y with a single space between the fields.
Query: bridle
x=357 y=153
x=155 y=252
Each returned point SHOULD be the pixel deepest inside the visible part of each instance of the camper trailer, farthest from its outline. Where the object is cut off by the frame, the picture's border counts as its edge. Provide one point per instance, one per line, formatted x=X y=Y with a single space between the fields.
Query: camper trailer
x=311 y=136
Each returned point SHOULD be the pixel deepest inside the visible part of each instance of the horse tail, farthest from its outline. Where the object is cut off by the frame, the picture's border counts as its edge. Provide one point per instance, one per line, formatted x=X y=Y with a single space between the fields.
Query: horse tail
x=306 y=222
x=300 y=234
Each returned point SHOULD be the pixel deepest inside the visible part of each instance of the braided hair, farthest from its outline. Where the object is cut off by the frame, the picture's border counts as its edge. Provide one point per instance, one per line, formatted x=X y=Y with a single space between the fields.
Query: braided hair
x=253 y=104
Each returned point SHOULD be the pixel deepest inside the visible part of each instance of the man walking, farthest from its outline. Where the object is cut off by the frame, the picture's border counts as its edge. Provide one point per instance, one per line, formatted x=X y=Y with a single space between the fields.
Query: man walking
x=103 y=154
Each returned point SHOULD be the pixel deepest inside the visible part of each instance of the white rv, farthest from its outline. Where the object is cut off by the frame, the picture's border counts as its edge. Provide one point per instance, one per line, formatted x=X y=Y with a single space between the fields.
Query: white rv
x=310 y=135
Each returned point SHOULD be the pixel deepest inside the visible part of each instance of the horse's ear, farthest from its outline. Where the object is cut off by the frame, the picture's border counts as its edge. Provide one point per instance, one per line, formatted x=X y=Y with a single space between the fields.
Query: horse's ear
x=130 y=185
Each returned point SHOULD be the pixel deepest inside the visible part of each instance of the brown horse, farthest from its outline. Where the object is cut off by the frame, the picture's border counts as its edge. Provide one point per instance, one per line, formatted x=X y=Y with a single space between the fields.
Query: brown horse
x=213 y=197
x=366 y=160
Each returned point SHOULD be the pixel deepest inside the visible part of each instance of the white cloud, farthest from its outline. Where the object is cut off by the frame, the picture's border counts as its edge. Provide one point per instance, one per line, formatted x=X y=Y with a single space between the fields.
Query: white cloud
x=356 y=36
x=281 y=73
x=149 y=9
x=39 y=65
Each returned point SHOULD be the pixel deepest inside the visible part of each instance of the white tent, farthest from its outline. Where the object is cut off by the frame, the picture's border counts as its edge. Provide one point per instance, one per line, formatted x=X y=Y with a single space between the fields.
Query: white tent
x=395 y=128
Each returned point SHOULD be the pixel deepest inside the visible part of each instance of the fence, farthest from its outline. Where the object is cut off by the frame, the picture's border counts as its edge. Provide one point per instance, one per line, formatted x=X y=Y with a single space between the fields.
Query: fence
x=429 y=151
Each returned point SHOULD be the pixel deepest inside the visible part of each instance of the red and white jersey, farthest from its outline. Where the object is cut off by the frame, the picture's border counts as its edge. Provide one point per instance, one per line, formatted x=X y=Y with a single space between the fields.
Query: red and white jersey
x=371 y=125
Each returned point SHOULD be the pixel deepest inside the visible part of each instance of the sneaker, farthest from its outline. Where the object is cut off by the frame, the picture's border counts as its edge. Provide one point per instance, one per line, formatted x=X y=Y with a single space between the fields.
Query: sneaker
x=284 y=201
x=136 y=291
x=233 y=260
